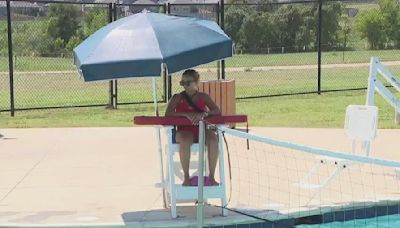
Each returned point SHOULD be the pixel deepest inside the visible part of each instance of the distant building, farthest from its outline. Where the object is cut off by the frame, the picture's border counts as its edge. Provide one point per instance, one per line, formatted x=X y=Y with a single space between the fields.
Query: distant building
x=351 y=12
x=139 y=5
x=21 y=9
x=104 y=1
x=195 y=8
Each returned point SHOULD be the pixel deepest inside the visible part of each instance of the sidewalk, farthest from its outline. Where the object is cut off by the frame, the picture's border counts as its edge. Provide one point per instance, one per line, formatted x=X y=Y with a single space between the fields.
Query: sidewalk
x=100 y=176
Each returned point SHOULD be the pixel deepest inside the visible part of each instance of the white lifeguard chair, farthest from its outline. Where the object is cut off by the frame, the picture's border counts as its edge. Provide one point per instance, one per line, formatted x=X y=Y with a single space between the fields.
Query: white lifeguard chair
x=375 y=84
x=360 y=125
x=174 y=192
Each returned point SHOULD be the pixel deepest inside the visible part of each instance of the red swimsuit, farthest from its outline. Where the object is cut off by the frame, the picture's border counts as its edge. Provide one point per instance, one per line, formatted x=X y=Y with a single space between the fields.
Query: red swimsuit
x=183 y=106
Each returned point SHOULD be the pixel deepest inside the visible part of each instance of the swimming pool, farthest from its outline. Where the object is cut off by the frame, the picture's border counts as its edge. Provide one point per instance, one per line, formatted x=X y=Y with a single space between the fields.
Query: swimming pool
x=375 y=216
x=380 y=221
x=370 y=216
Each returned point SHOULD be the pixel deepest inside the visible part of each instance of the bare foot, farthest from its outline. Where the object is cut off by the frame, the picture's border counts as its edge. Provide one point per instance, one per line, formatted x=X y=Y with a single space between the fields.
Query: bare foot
x=186 y=182
x=213 y=182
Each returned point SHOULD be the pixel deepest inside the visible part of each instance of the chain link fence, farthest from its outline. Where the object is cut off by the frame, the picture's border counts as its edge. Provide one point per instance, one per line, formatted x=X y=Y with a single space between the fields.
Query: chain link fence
x=276 y=50
x=267 y=61
x=283 y=58
x=4 y=79
x=44 y=75
x=346 y=59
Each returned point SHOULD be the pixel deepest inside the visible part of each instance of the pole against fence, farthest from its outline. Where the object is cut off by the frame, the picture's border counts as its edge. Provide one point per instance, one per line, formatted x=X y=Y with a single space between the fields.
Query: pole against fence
x=115 y=84
x=200 y=196
x=115 y=95
x=164 y=75
x=10 y=58
x=169 y=78
x=219 y=23
x=222 y=20
x=319 y=39
x=111 y=83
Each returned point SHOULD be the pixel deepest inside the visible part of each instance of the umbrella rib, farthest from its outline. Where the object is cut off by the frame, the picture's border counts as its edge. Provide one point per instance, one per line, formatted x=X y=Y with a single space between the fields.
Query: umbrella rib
x=158 y=41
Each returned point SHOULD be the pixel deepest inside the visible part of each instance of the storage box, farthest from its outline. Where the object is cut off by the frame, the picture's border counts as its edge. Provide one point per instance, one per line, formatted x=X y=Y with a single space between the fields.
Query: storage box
x=222 y=92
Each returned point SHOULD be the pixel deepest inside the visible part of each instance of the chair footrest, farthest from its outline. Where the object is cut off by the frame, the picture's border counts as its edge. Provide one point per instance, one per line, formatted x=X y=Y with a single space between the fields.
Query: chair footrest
x=308 y=185
x=191 y=192
x=160 y=185
x=334 y=161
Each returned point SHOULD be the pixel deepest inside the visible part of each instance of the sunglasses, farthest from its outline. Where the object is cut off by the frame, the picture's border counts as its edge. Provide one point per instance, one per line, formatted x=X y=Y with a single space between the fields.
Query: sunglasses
x=185 y=83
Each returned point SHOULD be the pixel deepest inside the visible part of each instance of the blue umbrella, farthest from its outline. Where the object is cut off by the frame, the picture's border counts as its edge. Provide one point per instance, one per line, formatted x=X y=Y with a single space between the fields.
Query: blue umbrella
x=138 y=46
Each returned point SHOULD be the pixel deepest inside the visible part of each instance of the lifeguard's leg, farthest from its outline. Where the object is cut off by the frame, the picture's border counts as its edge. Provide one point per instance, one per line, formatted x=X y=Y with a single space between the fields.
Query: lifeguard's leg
x=185 y=140
x=212 y=143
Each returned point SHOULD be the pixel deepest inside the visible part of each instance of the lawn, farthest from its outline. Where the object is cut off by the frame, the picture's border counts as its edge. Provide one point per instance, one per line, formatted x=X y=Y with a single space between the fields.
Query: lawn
x=311 y=110
x=66 y=89
x=60 y=85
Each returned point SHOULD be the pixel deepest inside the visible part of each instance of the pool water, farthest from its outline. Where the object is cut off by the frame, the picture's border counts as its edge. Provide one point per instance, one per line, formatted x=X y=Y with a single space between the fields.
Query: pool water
x=392 y=221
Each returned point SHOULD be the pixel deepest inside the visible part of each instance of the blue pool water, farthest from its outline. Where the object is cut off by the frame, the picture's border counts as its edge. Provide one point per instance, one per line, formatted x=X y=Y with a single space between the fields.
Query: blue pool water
x=392 y=221
x=373 y=216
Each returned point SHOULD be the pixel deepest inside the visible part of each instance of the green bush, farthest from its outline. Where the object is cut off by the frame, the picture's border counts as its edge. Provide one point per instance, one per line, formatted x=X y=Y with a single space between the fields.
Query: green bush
x=370 y=25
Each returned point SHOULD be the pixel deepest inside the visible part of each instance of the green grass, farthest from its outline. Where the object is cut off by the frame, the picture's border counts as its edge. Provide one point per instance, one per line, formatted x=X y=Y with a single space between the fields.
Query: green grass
x=321 y=111
x=312 y=110
x=66 y=89
x=22 y=63
x=310 y=58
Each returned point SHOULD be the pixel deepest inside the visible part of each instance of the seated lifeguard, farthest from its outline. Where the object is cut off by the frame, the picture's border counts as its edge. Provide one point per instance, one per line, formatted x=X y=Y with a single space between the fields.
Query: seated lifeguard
x=195 y=106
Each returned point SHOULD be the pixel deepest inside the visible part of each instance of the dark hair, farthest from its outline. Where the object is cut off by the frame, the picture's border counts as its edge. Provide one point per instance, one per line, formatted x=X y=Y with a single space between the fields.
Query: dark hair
x=192 y=73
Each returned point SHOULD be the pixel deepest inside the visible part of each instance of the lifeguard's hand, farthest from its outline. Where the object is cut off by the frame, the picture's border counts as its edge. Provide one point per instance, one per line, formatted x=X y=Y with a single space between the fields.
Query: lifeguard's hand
x=195 y=117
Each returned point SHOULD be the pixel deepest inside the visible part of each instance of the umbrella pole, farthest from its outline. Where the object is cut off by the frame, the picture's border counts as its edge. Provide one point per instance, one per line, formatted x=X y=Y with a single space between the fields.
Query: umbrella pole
x=200 y=187
x=153 y=80
x=158 y=133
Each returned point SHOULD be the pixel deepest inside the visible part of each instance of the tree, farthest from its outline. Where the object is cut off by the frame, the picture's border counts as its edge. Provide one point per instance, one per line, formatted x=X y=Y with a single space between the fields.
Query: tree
x=307 y=31
x=62 y=22
x=370 y=25
x=331 y=14
x=266 y=5
x=73 y=42
x=234 y=17
x=345 y=30
x=257 y=32
x=94 y=19
x=288 y=20
x=390 y=11
x=27 y=37
x=3 y=39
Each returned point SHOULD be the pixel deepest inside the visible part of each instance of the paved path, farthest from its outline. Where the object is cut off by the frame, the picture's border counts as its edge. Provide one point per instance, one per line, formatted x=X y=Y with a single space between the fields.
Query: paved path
x=243 y=69
x=100 y=176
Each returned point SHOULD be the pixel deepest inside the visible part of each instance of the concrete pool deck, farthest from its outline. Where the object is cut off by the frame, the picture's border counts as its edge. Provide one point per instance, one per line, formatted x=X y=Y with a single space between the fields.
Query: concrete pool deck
x=106 y=176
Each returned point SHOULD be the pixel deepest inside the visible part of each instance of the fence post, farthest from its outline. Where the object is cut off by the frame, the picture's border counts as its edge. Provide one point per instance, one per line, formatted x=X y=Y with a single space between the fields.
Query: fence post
x=319 y=39
x=10 y=58
x=111 y=83
x=115 y=95
x=164 y=76
x=169 y=79
x=115 y=91
x=218 y=22
x=222 y=20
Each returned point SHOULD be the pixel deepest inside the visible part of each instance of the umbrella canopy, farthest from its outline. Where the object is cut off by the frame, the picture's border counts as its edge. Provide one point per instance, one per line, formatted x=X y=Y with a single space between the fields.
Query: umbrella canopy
x=137 y=46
